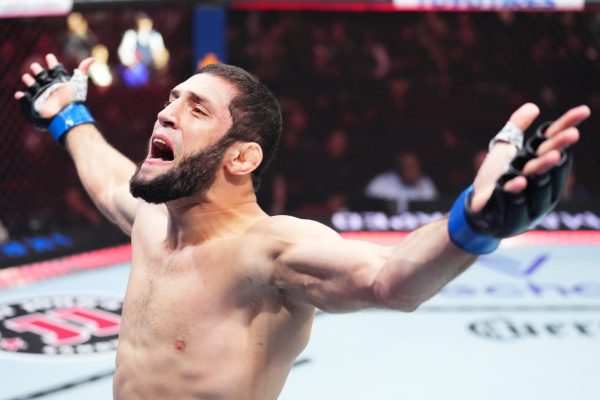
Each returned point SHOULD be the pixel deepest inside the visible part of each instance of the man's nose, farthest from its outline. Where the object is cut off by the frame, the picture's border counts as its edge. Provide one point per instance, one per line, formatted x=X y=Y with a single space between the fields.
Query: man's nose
x=167 y=117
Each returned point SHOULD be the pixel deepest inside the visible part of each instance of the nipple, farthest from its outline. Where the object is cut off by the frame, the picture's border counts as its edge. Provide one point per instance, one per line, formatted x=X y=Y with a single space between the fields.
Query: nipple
x=179 y=345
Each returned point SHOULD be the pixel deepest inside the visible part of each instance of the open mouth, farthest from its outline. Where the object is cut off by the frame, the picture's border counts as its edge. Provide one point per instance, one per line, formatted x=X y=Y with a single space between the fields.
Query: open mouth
x=161 y=150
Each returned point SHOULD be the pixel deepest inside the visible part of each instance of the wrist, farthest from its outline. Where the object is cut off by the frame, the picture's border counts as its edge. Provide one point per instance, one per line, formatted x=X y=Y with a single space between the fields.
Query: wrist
x=462 y=233
x=69 y=117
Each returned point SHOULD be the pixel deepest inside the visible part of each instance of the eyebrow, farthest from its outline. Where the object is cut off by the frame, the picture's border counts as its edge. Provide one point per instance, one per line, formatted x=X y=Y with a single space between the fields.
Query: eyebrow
x=194 y=97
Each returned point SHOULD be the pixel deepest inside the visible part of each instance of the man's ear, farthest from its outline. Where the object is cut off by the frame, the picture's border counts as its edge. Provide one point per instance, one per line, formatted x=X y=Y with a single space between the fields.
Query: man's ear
x=246 y=158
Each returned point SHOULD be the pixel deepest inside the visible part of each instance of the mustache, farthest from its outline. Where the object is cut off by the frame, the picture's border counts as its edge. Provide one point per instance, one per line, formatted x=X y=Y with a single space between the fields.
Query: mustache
x=193 y=175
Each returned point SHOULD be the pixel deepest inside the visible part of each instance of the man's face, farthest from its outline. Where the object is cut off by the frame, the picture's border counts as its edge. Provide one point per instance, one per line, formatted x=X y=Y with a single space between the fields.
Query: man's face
x=409 y=168
x=144 y=24
x=188 y=144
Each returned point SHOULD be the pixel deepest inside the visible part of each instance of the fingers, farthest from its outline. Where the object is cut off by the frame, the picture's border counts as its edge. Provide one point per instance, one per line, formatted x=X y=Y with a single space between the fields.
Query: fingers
x=559 y=141
x=515 y=185
x=524 y=116
x=28 y=80
x=36 y=68
x=541 y=164
x=537 y=166
x=85 y=65
x=569 y=119
x=51 y=60
x=561 y=134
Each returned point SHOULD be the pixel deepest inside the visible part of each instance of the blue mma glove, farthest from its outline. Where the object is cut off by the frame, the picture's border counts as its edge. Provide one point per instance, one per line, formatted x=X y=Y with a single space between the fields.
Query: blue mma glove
x=46 y=82
x=506 y=214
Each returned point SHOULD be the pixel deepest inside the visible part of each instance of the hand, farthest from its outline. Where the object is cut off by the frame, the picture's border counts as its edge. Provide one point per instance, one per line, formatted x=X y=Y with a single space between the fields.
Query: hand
x=62 y=96
x=561 y=134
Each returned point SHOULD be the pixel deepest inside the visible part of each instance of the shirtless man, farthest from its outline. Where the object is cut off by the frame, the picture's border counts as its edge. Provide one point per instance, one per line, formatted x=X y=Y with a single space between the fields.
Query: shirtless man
x=221 y=296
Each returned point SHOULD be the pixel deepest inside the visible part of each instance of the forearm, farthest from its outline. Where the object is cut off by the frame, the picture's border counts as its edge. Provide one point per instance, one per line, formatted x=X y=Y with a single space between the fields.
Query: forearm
x=102 y=170
x=54 y=102
x=419 y=267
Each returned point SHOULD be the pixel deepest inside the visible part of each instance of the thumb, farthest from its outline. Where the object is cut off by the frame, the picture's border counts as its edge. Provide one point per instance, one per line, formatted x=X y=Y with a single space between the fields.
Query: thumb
x=85 y=65
x=499 y=158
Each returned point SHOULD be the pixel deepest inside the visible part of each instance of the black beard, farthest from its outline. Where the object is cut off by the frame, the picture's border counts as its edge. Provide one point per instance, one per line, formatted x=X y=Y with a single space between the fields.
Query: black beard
x=193 y=175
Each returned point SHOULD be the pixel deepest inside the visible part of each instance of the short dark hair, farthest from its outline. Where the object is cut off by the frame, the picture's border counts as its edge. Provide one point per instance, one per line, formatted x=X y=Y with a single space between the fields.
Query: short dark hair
x=255 y=113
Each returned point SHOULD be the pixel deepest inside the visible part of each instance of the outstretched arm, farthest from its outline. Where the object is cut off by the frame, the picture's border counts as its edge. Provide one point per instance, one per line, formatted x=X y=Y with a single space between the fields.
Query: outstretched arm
x=104 y=171
x=340 y=275
x=321 y=269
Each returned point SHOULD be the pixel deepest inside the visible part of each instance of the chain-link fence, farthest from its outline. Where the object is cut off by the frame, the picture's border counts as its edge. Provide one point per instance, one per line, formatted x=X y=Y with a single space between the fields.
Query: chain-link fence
x=43 y=207
x=436 y=84
x=355 y=89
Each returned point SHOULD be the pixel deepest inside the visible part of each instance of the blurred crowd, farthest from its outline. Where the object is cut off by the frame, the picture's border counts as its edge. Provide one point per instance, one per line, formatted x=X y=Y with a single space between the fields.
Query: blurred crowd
x=132 y=75
x=393 y=111
x=382 y=111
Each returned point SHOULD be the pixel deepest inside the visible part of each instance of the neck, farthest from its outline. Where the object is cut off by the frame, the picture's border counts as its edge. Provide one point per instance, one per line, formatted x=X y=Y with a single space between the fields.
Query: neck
x=194 y=220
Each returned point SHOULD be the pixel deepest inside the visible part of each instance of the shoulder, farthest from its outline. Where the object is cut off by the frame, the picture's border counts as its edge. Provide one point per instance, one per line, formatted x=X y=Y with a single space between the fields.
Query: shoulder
x=291 y=229
x=386 y=184
x=129 y=34
x=270 y=237
x=388 y=177
x=427 y=181
x=258 y=250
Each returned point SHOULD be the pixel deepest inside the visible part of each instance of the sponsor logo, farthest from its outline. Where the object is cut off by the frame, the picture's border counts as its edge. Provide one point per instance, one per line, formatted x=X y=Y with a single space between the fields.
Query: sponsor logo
x=523 y=286
x=492 y=4
x=506 y=329
x=488 y=4
x=526 y=284
x=514 y=268
x=346 y=221
x=61 y=325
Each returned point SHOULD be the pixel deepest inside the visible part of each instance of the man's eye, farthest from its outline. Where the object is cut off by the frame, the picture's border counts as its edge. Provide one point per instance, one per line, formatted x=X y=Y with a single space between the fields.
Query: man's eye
x=199 y=110
x=167 y=103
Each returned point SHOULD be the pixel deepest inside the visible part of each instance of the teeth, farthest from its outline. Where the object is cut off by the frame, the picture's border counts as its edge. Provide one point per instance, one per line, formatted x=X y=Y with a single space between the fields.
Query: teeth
x=160 y=149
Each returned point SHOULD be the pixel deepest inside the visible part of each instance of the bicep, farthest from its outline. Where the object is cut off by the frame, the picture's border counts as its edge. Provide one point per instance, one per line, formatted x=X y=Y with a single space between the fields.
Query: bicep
x=333 y=274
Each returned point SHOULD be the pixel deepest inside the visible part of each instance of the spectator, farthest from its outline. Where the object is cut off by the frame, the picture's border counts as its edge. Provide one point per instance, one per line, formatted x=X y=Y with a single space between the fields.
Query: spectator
x=142 y=51
x=100 y=72
x=331 y=176
x=403 y=184
x=286 y=186
x=79 y=40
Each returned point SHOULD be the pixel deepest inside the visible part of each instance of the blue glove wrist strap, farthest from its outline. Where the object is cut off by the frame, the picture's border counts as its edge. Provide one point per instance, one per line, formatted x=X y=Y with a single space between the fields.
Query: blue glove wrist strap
x=72 y=115
x=461 y=233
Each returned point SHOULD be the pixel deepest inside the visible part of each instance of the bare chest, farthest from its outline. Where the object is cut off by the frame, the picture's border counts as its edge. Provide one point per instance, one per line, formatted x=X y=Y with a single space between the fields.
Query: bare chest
x=183 y=295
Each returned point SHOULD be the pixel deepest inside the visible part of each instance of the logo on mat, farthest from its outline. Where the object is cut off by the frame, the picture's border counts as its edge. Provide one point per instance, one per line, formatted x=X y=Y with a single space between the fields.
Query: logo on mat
x=502 y=329
x=61 y=325
x=512 y=267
